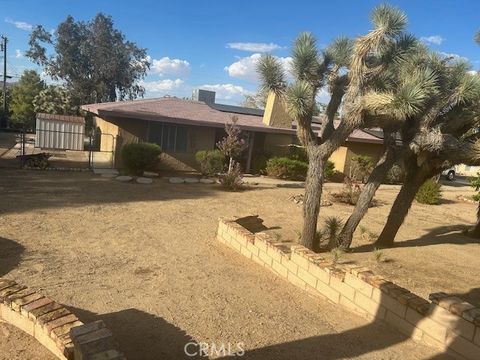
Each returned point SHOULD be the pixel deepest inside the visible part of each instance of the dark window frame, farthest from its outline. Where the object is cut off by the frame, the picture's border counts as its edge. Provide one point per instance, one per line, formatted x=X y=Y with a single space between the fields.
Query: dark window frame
x=163 y=136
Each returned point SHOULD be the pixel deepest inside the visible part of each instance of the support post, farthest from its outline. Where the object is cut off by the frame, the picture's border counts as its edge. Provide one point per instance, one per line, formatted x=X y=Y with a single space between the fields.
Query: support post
x=251 y=142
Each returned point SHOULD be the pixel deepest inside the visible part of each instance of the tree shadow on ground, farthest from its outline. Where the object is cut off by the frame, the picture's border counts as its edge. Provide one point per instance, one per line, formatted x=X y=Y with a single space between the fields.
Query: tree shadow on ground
x=448 y=234
x=375 y=336
x=24 y=190
x=10 y=255
x=143 y=336
x=255 y=224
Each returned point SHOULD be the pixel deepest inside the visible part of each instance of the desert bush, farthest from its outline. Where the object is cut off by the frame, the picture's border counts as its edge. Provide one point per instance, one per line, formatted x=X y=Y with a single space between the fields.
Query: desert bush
x=138 y=157
x=395 y=175
x=328 y=235
x=429 y=193
x=350 y=193
x=285 y=168
x=378 y=255
x=232 y=180
x=211 y=161
x=337 y=253
x=360 y=168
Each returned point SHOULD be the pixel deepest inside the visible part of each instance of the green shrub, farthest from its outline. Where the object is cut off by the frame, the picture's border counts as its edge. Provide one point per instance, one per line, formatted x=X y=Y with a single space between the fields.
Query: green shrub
x=297 y=152
x=429 y=193
x=138 y=157
x=211 y=161
x=329 y=171
x=285 y=168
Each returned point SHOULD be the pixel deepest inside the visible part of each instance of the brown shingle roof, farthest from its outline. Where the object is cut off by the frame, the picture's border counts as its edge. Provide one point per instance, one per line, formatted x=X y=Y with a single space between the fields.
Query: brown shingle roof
x=190 y=112
x=64 y=118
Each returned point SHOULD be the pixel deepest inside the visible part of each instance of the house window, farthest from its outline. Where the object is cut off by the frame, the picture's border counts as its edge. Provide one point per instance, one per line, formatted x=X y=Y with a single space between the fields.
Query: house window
x=169 y=137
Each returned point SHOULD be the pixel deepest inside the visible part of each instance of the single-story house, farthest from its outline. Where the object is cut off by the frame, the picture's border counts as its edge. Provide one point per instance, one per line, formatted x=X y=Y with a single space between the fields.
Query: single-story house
x=183 y=127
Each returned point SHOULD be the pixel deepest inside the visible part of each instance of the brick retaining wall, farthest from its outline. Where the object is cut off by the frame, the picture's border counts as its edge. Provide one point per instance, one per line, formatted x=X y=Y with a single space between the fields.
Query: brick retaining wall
x=446 y=322
x=54 y=326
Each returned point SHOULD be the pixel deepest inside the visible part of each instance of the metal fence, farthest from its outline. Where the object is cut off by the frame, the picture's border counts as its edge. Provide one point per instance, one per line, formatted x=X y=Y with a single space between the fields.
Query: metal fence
x=59 y=149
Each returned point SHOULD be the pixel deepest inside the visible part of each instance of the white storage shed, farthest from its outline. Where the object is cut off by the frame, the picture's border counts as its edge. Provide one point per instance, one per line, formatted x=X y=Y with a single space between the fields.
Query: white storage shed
x=63 y=132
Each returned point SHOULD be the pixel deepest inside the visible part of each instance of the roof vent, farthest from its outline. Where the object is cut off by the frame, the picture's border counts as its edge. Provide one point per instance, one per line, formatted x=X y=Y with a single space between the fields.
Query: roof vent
x=206 y=96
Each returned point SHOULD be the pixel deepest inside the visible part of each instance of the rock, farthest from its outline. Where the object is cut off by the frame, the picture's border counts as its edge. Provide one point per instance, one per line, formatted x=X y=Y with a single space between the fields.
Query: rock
x=176 y=180
x=124 y=178
x=144 y=180
x=207 y=181
x=191 y=180
x=150 y=174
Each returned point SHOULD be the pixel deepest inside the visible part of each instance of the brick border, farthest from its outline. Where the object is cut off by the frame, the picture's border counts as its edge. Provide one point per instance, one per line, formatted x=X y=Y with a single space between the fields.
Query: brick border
x=54 y=326
x=446 y=322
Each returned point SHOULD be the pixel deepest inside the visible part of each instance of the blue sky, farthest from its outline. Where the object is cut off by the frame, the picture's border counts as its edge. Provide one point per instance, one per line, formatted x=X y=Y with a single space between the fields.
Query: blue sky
x=214 y=44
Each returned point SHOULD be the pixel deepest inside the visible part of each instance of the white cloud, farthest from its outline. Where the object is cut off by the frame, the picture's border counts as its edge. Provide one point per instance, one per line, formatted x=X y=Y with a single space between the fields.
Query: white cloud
x=226 y=91
x=253 y=47
x=454 y=56
x=20 y=24
x=18 y=54
x=169 y=67
x=161 y=85
x=246 y=68
x=432 y=40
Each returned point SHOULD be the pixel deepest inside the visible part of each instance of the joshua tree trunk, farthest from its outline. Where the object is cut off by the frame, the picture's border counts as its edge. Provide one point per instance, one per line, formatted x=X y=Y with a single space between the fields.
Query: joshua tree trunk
x=311 y=203
x=413 y=180
x=476 y=229
x=374 y=180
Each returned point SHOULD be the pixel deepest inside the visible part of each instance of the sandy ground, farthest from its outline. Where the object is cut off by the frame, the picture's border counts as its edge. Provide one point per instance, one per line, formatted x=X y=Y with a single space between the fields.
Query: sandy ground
x=16 y=345
x=145 y=260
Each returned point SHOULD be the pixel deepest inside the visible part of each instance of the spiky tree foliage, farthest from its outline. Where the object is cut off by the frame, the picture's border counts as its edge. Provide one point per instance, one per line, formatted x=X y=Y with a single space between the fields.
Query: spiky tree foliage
x=445 y=137
x=399 y=97
x=364 y=60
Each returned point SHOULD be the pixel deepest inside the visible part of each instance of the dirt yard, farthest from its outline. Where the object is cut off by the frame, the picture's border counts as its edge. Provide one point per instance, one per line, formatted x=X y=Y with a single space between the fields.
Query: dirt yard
x=145 y=260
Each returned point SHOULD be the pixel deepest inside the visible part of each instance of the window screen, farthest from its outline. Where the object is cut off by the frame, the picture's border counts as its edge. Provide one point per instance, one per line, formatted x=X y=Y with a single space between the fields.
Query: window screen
x=168 y=136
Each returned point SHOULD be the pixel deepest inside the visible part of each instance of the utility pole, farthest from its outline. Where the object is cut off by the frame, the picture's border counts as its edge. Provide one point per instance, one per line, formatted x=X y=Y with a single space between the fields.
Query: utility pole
x=5 y=112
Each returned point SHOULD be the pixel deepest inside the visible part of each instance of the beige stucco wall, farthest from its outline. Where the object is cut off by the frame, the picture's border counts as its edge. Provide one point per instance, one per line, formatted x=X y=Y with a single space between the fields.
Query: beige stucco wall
x=108 y=131
x=366 y=149
x=277 y=144
x=339 y=158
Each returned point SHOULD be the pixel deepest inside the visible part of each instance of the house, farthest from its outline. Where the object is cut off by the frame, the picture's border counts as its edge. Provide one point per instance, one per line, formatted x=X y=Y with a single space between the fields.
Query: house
x=183 y=127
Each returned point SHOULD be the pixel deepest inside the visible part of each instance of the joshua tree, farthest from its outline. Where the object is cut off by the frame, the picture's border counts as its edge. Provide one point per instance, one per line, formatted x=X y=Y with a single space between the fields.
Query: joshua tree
x=476 y=184
x=407 y=90
x=347 y=71
x=445 y=137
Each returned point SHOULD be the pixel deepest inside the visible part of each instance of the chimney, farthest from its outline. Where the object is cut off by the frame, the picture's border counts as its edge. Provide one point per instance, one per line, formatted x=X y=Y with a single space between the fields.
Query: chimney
x=206 y=96
x=275 y=114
